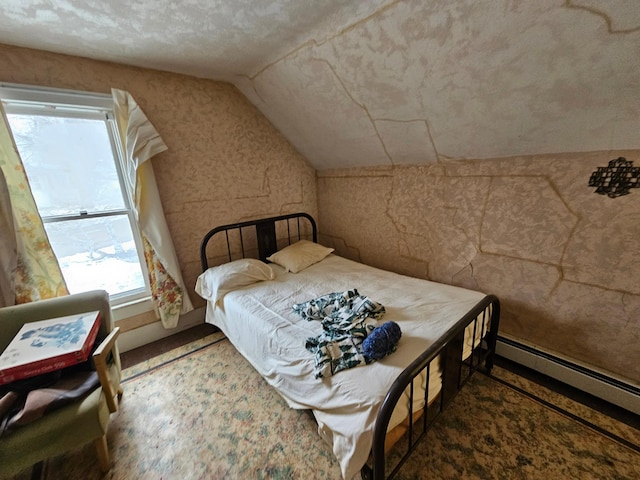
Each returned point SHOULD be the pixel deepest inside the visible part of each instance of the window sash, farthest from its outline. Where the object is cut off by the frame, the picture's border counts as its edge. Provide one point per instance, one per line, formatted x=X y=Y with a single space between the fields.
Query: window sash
x=34 y=101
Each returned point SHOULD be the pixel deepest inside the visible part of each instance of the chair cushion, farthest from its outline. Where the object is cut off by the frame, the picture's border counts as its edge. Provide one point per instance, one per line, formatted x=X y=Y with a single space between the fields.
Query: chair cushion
x=56 y=432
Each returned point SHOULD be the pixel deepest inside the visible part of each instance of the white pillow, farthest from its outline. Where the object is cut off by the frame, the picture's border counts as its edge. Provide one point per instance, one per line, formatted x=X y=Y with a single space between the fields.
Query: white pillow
x=213 y=284
x=298 y=256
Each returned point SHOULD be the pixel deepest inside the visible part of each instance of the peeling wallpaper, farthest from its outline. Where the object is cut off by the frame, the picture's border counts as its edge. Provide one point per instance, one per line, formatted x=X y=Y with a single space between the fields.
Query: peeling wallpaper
x=225 y=161
x=564 y=261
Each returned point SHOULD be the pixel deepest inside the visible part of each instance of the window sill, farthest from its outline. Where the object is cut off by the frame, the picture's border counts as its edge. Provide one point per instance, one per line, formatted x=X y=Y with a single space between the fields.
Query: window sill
x=130 y=309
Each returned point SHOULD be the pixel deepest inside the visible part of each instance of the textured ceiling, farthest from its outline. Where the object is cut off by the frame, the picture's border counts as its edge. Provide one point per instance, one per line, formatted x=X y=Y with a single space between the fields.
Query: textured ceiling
x=380 y=82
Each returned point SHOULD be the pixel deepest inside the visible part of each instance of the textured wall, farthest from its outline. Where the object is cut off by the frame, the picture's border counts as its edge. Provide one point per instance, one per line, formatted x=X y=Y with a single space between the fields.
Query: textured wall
x=564 y=261
x=225 y=161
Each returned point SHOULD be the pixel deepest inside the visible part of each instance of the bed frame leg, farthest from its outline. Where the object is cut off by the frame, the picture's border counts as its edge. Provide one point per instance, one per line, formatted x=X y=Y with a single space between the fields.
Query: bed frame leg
x=492 y=337
x=366 y=473
x=488 y=365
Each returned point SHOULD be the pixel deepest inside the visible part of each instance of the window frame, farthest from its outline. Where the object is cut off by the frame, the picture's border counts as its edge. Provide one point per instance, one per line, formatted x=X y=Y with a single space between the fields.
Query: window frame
x=30 y=100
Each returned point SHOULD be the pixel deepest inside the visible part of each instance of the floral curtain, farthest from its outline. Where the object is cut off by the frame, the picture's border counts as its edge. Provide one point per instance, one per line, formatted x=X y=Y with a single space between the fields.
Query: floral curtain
x=28 y=267
x=8 y=247
x=140 y=141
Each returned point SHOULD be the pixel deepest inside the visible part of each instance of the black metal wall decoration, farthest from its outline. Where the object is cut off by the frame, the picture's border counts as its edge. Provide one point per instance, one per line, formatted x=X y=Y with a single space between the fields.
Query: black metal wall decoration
x=616 y=179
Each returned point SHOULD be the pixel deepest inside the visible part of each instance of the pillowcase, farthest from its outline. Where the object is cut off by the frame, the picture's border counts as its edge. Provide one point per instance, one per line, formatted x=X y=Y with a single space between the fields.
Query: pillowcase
x=298 y=256
x=213 y=284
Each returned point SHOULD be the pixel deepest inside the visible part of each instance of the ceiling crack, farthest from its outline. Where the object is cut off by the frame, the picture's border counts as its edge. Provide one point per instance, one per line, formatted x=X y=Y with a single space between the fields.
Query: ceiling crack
x=411 y=120
x=306 y=44
x=314 y=42
x=604 y=15
x=433 y=142
x=361 y=105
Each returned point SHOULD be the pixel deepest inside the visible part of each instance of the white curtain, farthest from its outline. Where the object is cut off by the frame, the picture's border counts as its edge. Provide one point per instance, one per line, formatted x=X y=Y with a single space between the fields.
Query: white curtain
x=140 y=141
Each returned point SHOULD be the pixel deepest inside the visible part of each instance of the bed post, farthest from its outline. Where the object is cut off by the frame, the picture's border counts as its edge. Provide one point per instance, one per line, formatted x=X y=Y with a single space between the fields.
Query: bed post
x=267 y=244
x=451 y=368
x=492 y=336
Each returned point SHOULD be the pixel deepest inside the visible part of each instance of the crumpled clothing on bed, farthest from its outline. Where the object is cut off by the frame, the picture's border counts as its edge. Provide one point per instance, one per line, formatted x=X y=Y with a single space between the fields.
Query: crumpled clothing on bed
x=347 y=318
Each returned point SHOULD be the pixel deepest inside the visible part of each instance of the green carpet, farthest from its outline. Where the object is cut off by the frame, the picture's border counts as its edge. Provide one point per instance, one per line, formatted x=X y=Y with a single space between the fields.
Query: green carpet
x=202 y=412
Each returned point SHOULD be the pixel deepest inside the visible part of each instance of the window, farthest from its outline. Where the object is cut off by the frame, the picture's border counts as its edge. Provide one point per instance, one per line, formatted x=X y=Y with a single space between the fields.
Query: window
x=67 y=142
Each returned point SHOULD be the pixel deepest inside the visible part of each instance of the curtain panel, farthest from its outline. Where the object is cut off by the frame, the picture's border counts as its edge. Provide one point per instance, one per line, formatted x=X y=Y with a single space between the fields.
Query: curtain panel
x=29 y=268
x=8 y=247
x=140 y=141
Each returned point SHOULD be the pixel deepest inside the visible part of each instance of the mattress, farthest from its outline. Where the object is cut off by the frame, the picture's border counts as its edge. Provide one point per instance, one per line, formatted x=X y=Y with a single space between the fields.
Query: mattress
x=259 y=321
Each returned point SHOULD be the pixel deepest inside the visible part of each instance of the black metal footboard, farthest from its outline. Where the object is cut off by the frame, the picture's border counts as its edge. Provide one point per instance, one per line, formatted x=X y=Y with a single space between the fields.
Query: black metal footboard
x=456 y=371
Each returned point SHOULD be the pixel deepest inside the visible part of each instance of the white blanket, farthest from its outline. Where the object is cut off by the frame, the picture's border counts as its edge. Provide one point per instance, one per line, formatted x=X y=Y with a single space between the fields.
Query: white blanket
x=259 y=321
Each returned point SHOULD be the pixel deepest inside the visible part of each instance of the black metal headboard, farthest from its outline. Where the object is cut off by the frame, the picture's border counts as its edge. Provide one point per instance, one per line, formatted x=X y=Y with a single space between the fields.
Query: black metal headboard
x=264 y=233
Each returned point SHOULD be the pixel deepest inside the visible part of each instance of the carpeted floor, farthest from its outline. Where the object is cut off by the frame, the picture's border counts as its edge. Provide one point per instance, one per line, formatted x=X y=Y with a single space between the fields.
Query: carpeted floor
x=200 y=411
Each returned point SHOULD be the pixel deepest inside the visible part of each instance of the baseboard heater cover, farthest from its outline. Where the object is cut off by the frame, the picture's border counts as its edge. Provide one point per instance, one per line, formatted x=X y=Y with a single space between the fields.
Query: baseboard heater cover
x=616 y=391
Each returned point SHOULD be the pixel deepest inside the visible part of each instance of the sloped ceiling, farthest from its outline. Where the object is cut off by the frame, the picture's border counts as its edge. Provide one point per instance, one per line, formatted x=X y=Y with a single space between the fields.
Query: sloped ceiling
x=380 y=82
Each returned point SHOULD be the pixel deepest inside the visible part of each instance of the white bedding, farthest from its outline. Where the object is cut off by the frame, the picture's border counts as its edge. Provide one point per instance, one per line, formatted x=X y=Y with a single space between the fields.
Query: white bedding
x=259 y=321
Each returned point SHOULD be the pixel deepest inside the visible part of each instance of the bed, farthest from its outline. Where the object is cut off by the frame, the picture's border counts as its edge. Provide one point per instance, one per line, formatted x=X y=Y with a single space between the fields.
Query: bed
x=362 y=412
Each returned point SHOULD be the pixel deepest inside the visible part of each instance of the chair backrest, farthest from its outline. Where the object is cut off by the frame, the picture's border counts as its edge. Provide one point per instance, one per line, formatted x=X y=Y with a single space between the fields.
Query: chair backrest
x=12 y=318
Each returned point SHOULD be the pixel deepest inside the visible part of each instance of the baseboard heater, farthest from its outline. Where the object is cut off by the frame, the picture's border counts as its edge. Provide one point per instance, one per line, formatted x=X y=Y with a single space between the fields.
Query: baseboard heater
x=616 y=391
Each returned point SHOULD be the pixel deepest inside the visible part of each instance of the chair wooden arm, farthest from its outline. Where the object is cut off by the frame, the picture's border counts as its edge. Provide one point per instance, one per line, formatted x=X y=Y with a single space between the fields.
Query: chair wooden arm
x=100 y=360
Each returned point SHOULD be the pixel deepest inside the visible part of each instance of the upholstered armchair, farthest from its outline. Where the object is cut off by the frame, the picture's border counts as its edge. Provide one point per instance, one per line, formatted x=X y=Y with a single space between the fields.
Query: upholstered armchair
x=81 y=421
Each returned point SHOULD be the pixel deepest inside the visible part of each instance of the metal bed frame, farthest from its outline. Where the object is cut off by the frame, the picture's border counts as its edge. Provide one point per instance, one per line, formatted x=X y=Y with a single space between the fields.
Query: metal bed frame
x=265 y=236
